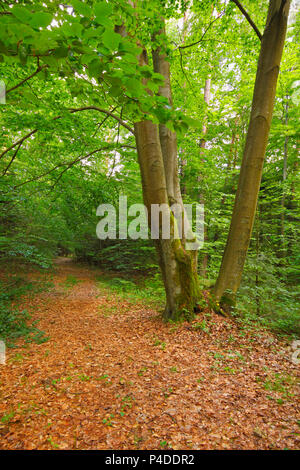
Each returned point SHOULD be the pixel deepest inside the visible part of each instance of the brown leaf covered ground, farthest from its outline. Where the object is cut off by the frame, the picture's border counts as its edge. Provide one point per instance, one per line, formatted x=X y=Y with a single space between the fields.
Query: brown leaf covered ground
x=113 y=376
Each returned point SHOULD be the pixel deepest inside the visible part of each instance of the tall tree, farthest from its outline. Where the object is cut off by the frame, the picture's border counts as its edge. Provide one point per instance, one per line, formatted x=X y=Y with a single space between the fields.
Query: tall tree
x=240 y=231
x=204 y=261
x=157 y=152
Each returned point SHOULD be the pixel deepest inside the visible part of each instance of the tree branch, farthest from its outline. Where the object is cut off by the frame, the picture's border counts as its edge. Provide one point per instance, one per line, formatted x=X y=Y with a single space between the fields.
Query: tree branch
x=86 y=156
x=12 y=159
x=198 y=42
x=71 y=163
x=72 y=111
x=104 y=111
x=20 y=141
x=248 y=18
x=41 y=67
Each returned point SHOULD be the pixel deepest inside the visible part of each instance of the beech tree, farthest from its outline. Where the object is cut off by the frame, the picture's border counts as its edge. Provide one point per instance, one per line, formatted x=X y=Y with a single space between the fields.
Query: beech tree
x=240 y=231
x=158 y=159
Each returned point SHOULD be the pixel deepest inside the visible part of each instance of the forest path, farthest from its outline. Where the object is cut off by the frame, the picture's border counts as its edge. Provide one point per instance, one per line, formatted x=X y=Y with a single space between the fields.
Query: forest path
x=113 y=376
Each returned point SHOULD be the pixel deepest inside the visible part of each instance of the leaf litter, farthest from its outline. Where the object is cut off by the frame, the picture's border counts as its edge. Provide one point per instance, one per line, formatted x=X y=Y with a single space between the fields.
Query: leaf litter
x=114 y=376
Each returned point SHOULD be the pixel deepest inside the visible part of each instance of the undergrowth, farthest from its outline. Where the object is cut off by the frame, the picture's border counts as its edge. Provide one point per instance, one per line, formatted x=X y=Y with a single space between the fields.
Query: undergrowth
x=15 y=322
x=282 y=319
x=148 y=290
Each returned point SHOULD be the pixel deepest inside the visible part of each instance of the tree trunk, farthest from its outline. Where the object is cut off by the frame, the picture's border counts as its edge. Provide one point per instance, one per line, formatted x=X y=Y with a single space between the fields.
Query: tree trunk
x=206 y=100
x=183 y=160
x=234 y=256
x=157 y=154
x=204 y=260
x=284 y=175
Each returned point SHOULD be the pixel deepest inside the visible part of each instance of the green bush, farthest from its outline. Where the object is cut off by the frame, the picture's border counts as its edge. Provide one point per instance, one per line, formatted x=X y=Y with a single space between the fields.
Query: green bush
x=14 y=322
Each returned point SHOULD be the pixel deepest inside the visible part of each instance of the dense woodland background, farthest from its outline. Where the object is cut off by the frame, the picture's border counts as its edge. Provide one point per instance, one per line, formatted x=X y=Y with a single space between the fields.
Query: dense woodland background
x=58 y=165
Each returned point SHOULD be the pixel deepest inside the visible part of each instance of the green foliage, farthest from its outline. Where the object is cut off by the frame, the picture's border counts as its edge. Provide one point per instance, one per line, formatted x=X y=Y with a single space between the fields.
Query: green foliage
x=11 y=248
x=14 y=322
x=201 y=326
x=280 y=383
x=269 y=295
x=70 y=281
x=7 y=417
x=148 y=290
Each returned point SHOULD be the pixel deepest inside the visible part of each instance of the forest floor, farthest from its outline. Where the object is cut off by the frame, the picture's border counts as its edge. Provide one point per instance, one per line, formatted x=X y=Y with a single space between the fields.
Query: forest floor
x=113 y=376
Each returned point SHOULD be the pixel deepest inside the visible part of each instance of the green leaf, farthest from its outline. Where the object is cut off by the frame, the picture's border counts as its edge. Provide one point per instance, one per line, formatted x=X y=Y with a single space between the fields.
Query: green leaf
x=86 y=58
x=21 y=13
x=40 y=19
x=93 y=32
x=146 y=71
x=82 y=8
x=126 y=46
x=102 y=11
x=74 y=29
x=192 y=122
x=158 y=78
x=61 y=52
x=95 y=68
x=23 y=55
x=111 y=40
x=134 y=86
x=115 y=91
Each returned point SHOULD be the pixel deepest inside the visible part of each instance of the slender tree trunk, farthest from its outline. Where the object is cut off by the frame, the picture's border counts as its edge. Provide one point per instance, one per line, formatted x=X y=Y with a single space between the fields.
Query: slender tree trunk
x=183 y=160
x=284 y=175
x=204 y=260
x=234 y=256
x=206 y=100
x=231 y=164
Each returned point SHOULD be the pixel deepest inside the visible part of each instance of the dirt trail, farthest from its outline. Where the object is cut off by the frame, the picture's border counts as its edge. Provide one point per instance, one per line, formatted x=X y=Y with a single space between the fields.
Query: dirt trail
x=113 y=376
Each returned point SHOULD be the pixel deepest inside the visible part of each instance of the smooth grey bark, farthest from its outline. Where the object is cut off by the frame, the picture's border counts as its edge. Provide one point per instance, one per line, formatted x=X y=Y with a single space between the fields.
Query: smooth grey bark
x=204 y=260
x=234 y=256
x=157 y=154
